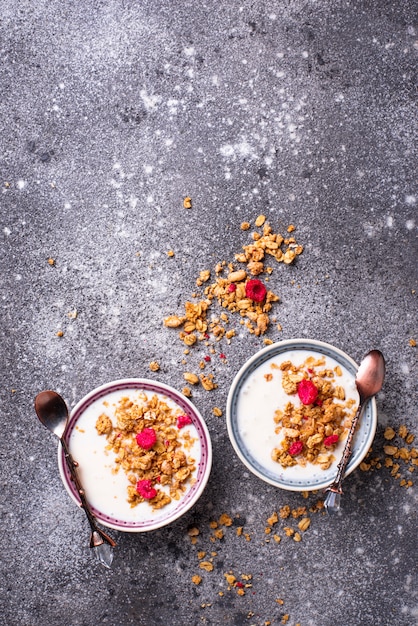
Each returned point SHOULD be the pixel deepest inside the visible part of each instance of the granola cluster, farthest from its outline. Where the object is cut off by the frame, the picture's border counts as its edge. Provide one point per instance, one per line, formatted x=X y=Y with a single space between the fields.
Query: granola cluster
x=400 y=456
x=236 y=290
x=150 y=448
x=312 y=428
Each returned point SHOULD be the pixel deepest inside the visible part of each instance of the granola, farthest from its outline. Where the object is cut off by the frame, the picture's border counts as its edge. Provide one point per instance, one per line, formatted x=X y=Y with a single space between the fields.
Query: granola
x=149 y=446
x=312 y=428
x=231 y=288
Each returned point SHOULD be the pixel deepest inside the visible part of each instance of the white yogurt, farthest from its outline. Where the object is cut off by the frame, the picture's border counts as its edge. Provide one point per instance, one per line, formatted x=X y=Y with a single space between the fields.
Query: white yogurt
x=259 y=399
x=106 y=490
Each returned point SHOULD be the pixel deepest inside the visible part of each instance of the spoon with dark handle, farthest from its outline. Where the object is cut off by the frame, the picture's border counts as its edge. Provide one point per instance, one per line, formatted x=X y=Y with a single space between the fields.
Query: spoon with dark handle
x=52 y=411
x=369 y=381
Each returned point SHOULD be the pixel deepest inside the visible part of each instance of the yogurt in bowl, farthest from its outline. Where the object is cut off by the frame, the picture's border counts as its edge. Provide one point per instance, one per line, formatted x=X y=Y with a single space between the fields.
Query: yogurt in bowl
x=263 y=420
x=109 y=480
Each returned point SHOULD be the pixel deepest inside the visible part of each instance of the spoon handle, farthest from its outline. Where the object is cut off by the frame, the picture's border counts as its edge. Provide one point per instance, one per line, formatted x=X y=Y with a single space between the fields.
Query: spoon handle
x=336 y=484
x=97 y=532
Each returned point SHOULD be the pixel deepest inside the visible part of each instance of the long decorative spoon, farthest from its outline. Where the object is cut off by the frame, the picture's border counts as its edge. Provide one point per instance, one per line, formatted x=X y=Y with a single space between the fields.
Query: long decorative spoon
x=369 y=381
x=52 y=411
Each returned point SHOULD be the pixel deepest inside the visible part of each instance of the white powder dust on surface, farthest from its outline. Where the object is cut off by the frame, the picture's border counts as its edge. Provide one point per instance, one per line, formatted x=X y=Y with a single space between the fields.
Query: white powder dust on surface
x=150 y=101
x=7 y=231
x=21 y=184
x=241 y=149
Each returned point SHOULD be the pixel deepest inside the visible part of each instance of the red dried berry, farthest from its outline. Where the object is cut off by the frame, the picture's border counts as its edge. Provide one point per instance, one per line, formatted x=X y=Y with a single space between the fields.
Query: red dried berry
x=295 y=448
x=145 y=489
x=207 y=359
x=183 y=420
x=232 y=287
x=307 y=391
x=239 y=584
x=146 y=438
x=331 y=440
x=222 y=356
x=255 y=290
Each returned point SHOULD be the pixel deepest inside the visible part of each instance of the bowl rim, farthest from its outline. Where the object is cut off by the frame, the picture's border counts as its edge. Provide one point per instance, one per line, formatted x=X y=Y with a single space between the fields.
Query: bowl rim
x=195 y=491
x=294 y=344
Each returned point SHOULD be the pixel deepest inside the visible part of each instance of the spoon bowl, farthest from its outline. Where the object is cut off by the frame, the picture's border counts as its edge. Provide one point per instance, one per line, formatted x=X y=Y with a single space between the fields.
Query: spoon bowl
x=370 y=375
x=52 y=411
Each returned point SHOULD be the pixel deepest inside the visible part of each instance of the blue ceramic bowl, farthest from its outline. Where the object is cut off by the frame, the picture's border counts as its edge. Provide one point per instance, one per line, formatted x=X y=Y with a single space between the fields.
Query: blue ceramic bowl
x=310 y=477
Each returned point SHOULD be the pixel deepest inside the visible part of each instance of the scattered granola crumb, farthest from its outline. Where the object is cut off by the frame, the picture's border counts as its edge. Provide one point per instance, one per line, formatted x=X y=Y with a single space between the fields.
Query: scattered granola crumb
x=412 y=343
x=389 y=433
x=60 y=333
x=191 y=378
x=187 y=202
x=208 y=382
x=206 y=565
x=217 y=411
x=51 y=262
x=170 y=253
x=225 y=520
x=304 y=524
x=154 y=366
x=273 y=519
x=196 y=579
x=186 y=391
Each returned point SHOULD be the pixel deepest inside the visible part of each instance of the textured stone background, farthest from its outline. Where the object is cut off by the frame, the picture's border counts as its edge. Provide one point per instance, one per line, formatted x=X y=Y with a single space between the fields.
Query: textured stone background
x=111 y=112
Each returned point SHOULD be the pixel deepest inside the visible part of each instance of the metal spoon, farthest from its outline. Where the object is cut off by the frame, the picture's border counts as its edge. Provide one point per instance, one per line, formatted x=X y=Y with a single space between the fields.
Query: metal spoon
x=52 y=411
x=369 y=381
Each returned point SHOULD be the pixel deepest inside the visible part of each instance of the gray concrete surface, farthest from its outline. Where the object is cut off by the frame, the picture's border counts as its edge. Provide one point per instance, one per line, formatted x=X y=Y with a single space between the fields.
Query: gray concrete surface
x=111 y=113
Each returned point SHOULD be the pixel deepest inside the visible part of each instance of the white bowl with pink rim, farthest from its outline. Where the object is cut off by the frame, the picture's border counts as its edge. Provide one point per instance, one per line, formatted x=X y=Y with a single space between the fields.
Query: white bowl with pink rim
x=253 y=399
x=106 y=489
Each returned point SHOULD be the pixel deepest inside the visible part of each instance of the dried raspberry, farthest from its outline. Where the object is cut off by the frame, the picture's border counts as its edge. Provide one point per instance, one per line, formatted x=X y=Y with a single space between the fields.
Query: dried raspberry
x=331 y=440
x=307 y=391
x=207 y=358
x=232 y=287
x=146 y=438
x=239 y=584
x=295 y=448
x=255 y=290
x=145 y=489
x=222 y=356
x=183 y=420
